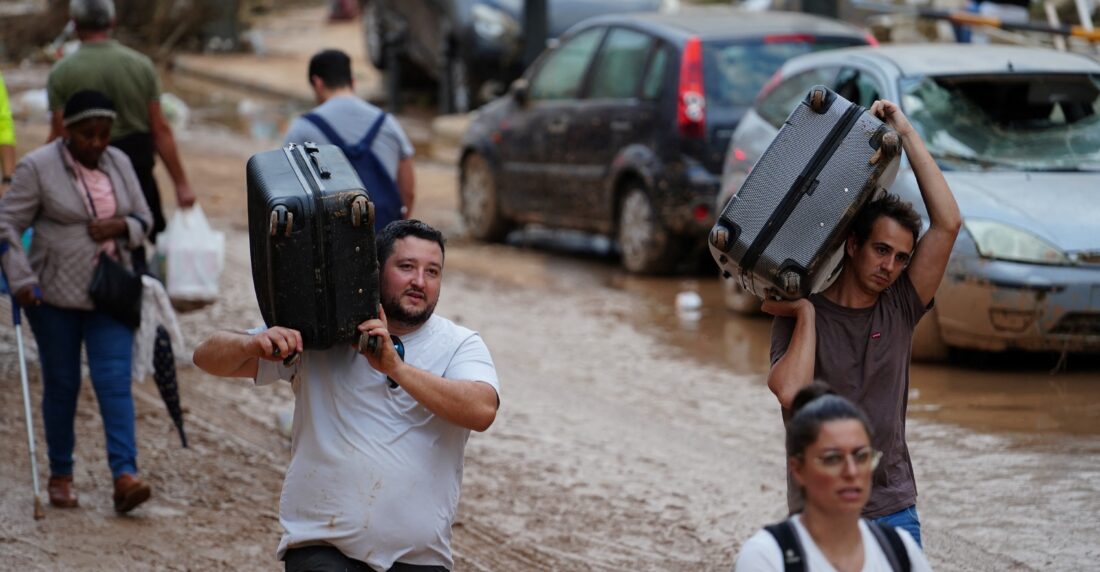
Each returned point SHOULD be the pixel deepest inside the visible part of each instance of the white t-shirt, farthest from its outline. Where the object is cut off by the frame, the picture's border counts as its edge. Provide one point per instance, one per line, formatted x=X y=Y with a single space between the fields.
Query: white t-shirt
x=762 y=554
x=372 y=472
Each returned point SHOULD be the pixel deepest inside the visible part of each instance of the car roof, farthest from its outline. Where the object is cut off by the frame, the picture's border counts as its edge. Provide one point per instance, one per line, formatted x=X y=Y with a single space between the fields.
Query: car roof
x=958 y=59
x=725 y=22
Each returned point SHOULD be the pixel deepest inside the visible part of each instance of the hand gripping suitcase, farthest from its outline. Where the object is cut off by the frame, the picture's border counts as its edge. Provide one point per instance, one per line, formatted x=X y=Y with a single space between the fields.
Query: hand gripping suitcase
x=785 y=228
x=311 y=233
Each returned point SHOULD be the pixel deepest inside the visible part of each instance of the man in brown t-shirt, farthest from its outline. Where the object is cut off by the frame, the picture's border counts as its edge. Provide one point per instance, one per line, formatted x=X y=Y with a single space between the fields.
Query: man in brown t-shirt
x=857 y=334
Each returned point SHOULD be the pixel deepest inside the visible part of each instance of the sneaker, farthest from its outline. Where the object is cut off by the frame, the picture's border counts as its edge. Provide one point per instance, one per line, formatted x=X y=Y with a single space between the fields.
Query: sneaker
x=130 y=492
x=60 y=489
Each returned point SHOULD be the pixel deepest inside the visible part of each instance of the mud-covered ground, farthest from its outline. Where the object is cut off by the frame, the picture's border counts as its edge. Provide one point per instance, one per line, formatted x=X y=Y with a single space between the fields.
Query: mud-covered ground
x=629 y=437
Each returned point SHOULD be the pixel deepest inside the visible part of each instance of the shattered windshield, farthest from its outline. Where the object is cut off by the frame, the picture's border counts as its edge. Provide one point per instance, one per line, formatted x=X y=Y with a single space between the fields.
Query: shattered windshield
x=1019 y=122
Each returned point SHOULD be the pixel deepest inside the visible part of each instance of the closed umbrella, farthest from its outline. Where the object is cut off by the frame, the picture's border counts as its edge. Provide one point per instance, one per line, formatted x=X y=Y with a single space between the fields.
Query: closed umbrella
x=164 y=373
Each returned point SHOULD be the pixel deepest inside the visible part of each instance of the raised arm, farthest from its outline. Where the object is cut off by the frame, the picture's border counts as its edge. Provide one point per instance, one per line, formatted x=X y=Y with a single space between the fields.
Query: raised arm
x=471 y=404
x=795 y=369
x=235 y=354
x=930 y=260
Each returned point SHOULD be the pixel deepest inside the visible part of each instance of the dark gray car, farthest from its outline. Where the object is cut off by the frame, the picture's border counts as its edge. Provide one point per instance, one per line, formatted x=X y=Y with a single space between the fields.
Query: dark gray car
x=621 y=129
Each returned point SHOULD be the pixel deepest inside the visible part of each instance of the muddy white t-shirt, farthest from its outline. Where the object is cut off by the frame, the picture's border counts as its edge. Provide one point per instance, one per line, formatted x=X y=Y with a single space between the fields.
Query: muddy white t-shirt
x=372 y=472
x=762 y=553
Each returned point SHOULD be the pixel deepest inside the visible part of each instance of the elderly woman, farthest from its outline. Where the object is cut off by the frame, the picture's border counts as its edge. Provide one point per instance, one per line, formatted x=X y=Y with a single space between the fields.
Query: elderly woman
x=830 y=456
x=82 y=198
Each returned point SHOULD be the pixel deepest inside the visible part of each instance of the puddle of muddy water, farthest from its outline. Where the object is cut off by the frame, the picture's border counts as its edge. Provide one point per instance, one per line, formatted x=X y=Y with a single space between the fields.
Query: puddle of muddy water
x=1010 y=393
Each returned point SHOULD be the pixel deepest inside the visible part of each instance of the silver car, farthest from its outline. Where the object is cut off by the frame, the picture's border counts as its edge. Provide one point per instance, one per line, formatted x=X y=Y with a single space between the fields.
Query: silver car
x=1017 y=133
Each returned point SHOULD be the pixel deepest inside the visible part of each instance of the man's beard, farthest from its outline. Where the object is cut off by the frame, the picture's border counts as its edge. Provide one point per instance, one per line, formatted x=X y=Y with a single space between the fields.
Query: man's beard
x=396 y=313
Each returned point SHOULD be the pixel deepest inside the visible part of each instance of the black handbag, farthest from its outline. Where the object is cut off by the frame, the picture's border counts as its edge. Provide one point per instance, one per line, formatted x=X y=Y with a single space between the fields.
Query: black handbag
x=116 y=291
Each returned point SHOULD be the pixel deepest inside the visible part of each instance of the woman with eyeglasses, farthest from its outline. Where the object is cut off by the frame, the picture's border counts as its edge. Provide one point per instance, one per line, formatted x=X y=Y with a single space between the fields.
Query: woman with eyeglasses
x=830 y=457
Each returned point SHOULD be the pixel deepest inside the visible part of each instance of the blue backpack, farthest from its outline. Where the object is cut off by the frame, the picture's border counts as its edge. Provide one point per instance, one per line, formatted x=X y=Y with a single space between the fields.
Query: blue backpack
x=380 y=186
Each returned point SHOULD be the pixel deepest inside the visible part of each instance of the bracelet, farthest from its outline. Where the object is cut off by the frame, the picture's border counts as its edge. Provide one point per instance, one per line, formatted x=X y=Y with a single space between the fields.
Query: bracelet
x=7 y=180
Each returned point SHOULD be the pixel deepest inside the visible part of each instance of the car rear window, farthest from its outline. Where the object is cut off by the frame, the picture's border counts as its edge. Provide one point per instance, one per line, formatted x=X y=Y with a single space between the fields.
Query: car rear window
x=734 y=71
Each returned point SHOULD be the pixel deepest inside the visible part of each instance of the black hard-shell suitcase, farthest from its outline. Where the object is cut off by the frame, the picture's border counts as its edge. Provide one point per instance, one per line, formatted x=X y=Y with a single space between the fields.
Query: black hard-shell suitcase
x=784 y=229
x=311 y=231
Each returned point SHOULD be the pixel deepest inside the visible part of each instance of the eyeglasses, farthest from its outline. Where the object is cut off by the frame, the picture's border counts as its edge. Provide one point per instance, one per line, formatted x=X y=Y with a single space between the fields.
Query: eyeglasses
x=835 y=461
x=400 y=347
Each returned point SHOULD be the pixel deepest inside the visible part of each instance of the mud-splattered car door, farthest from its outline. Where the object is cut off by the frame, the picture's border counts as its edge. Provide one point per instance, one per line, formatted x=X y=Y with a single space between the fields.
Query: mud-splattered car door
x=610 y=118
x=538 y=170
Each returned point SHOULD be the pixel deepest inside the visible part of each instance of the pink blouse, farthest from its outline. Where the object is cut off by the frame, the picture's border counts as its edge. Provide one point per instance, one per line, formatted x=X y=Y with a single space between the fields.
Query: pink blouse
x=95 y=185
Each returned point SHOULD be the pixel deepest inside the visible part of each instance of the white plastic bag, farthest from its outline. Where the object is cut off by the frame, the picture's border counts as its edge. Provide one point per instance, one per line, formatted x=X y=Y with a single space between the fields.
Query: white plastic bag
x=194 y=256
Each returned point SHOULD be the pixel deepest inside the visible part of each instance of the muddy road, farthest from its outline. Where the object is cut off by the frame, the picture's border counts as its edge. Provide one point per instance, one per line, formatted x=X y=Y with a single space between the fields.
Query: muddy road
x=631 y=436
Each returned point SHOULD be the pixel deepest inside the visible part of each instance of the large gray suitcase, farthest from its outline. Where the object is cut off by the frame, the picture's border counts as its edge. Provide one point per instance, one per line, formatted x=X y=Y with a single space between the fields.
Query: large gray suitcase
x=784 y=229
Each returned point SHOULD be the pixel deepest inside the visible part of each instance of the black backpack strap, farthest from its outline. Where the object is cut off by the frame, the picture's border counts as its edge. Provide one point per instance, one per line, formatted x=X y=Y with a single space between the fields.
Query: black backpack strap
x=892 y=545
x=794 y=559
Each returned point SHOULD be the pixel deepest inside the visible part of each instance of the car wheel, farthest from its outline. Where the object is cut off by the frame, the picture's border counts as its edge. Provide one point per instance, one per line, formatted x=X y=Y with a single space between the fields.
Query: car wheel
x=456 y=90
x=928 y=344
x=645 y=245
x=479 y=204
x=738 y=299
x=374 y=35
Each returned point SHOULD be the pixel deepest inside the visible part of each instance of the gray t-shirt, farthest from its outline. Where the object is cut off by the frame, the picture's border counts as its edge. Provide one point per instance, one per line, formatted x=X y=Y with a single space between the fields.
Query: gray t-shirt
x=864 y=355
x=351 y=117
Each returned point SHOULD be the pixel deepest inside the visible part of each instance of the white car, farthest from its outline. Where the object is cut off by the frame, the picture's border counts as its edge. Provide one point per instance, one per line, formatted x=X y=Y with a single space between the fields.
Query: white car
x=1016 y=131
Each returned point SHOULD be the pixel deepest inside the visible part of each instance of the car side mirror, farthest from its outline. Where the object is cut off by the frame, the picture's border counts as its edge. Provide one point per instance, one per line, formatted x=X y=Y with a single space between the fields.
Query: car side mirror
x=519 y=91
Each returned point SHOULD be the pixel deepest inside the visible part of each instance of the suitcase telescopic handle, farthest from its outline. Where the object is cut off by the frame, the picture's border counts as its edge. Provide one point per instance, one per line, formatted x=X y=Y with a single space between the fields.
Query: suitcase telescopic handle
x=314 y=154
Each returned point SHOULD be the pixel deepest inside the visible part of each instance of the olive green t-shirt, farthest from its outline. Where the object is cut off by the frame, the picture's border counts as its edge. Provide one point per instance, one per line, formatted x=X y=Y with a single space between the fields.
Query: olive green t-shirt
x=122 y=74
x=863 y=354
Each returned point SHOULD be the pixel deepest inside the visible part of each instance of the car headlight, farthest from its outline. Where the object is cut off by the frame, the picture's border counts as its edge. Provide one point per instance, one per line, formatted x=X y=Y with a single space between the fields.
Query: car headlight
x=492 y=23
x=998 y=240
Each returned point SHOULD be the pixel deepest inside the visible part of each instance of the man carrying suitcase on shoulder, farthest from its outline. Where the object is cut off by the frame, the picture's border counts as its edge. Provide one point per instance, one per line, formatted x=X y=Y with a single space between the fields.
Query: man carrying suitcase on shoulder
x=373 y=141
x=378 y=438
x=857 y=334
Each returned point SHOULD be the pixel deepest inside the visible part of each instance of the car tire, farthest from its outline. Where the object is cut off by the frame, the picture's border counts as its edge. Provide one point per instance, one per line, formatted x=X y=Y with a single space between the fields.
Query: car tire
x=478 y=201
x=455 y=93
x=928 y=344
x=374 y=35
x=739 y=300
x=644 y=243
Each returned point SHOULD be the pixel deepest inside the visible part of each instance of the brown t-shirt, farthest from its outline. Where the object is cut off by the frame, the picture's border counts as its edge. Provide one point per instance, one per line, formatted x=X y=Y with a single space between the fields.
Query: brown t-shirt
x=864 y=354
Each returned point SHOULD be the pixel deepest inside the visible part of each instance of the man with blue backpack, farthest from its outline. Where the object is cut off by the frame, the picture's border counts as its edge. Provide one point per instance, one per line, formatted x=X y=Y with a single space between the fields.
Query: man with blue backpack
x=373 y=141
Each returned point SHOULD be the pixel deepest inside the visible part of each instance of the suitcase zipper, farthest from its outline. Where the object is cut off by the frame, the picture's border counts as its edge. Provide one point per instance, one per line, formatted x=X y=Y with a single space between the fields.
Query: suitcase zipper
x=803 y=185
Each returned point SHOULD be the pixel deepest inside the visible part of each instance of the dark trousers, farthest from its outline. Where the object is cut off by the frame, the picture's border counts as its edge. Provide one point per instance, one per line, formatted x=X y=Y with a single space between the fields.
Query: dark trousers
x=329 y=559
x=141 y=149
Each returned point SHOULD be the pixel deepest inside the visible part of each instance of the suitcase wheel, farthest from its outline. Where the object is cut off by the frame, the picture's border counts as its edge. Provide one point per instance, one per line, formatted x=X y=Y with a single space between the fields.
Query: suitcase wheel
x=889 y=147
x=791 y=283
x=358 y=209
x=721 y=237
x=279 y=215
x=817 y=101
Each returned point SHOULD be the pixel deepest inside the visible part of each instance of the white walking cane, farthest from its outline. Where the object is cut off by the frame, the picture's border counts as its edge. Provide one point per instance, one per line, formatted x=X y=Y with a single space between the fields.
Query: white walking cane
x=16 y=318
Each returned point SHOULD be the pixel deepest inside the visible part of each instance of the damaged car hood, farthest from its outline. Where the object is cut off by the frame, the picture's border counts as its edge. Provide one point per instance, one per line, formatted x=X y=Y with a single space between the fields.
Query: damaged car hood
x=1059 y=207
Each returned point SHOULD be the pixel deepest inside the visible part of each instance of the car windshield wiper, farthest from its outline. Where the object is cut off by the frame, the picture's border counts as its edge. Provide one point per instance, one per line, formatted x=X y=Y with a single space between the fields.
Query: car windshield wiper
x=1082 y=168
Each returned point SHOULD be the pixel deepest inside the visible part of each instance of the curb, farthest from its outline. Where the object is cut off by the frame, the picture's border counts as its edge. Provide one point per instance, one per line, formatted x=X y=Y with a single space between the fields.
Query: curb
x=182 y=67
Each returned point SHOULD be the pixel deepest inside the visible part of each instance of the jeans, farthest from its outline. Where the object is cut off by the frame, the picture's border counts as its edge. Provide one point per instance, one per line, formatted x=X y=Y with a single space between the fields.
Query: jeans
x=906 y=519
x=323 y=558
x=109 y=344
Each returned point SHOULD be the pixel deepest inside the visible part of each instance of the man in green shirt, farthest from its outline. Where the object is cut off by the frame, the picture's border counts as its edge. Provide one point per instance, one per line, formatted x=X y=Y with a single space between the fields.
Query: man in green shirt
x=129 y=79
